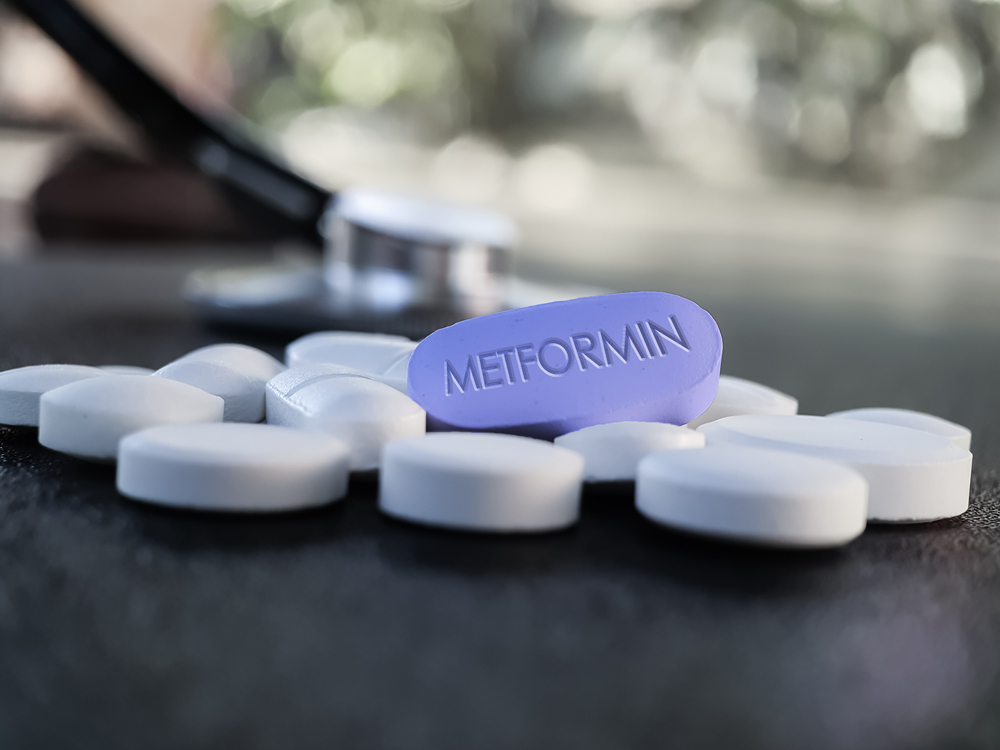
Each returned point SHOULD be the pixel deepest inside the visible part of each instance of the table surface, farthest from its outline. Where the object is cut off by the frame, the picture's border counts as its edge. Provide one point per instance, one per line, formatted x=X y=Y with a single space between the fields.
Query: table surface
x=125 y=626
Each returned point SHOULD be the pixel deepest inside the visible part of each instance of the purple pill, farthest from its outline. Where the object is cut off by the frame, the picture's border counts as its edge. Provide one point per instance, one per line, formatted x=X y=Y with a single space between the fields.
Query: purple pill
x=550 y=369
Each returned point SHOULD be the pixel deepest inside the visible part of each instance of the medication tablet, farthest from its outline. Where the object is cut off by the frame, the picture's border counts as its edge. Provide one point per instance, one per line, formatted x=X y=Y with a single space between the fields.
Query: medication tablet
x=126 y=370
x=613 y=451
x=753 y=495
x=913 y=476
x=359 y=410
x=550 y=369
x=737 y=396
x=380 y=355
x=235 y=373
x=481 y=482
x=960 y=436
x=369 y=352
x=232 y=467
x=21 y=389
x=295 y=378
x=86 y=419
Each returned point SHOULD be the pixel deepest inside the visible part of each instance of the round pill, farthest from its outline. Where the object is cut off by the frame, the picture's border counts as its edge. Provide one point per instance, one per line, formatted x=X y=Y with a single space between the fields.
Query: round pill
x=613 y=451
x=235 y=373
x=232 y=467
x=126 y=370
x=753 y=495
x=22 y=388
x=481 y=482
x=359 y=410
x=913 y=476
x=737 y=396
x=87 y=418
x=960 y=436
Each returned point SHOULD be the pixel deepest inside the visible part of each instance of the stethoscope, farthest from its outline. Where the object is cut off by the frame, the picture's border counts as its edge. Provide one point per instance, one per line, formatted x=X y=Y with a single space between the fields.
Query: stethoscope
x=390 y=262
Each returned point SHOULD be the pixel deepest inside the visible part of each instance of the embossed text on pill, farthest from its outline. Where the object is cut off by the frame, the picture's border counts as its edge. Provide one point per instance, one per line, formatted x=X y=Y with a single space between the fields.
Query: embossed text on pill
x=556 y=357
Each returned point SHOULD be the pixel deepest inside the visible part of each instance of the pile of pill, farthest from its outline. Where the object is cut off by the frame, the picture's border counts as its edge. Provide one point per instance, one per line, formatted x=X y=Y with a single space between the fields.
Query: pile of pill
x=496 y=423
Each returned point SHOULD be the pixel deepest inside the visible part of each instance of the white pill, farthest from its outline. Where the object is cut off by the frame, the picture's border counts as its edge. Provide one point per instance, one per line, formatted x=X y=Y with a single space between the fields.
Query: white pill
x=233 y=467
x=613 y=451
x=126 y=370
x=363 y=351
x=295 y=378
x=380 y=355
x=913 y=476
x=359 y=410
x=87 y=418
x=481 y=482
x=960 y=436
x=753 y=495
x=737 y=396
x=235 y=373
x=21 y=389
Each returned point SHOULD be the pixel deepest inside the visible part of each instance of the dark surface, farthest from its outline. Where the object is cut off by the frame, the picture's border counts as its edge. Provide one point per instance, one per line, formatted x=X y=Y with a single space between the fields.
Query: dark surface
x=124 y=626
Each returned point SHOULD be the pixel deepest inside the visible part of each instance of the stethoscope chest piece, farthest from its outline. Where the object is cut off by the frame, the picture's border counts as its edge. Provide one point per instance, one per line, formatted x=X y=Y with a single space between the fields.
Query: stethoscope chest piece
x=388 y=253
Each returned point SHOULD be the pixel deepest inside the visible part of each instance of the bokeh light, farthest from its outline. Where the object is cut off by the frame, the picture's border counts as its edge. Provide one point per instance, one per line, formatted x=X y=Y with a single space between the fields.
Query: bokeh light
x=857 y=91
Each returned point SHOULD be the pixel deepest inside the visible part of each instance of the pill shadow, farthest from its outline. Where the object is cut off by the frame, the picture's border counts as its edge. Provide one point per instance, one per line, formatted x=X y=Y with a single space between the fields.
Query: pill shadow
x=617 y=492
x=183 y=531
x=888 y=529
x=192 y=531
x=614 y=535
x=611 y=535
x=408 y=545
x=15 y=434
x=22 y=456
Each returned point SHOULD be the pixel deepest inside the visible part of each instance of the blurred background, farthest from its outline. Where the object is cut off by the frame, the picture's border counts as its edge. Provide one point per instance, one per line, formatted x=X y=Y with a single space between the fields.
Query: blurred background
x=835 y=151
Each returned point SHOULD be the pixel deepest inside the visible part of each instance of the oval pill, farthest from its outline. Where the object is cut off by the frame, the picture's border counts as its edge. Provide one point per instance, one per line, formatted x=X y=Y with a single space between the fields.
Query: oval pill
x=232 y=467
x=753 y=495
x=235 y=373
x=481 y=482
x=913 y=476
x=358 y=409
x=613 y=451
x=86 y=419
x=550 y=369
x=956 y=433
x=383 y=356
x=737 y=396
x=21 y=389
x=368 y=352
